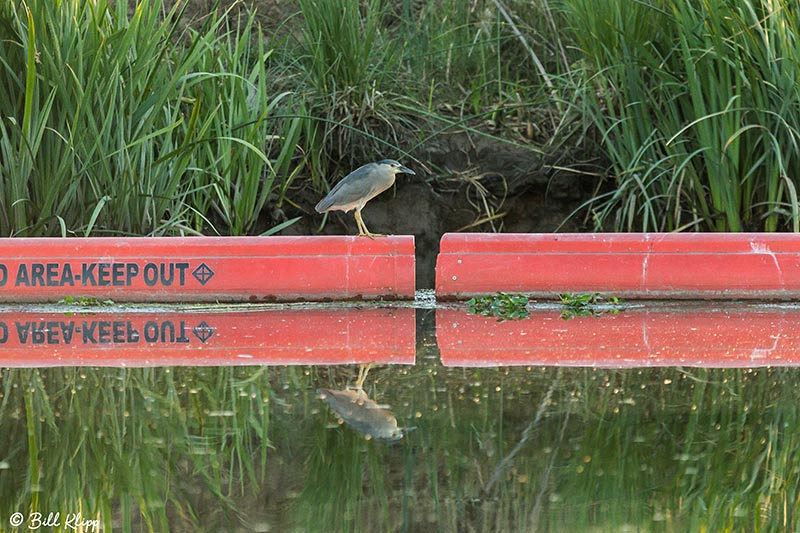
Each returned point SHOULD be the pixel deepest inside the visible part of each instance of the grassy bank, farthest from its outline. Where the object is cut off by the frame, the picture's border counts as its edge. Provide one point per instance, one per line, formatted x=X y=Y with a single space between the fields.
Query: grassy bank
x=118 y=123
x=156 y=119
x=698 y=108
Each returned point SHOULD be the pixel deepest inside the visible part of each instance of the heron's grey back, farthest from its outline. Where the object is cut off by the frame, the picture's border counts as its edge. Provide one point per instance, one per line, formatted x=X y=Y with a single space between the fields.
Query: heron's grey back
x=356 y=186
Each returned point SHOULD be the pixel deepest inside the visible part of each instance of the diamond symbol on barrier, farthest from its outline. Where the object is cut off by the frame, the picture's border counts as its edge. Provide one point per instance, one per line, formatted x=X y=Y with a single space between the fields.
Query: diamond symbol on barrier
x=203 y=273
x=203 y=331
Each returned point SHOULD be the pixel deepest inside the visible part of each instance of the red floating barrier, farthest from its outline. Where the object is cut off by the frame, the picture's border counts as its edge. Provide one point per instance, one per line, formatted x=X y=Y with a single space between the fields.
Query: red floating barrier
x=737 y=336
x=631 y=265
x=181 y=338
x=207 y=269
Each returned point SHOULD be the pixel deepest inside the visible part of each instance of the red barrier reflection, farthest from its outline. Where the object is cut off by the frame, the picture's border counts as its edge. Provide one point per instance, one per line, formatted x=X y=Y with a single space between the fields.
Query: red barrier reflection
x=167 y=338
x=737 y=336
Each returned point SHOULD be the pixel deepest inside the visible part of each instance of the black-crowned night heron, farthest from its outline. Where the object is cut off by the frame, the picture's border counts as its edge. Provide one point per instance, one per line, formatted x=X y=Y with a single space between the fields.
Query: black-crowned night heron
x=361 y=186
x=355 y=408
x=361 y=413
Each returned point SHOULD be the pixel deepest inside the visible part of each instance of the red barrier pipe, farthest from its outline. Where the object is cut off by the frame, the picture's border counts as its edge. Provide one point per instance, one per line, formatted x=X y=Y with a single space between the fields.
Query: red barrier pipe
x=207 y=269
x=170 y=338
x=631 y=265
x=734 y=337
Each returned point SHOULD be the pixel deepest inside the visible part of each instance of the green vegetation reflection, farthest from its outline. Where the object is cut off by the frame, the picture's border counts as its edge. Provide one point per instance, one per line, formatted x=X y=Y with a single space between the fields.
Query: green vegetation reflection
x=502 y=449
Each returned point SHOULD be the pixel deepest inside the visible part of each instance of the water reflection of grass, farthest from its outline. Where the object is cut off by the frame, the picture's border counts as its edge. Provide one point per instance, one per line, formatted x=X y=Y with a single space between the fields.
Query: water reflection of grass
x=145 y=447
x=509 y=449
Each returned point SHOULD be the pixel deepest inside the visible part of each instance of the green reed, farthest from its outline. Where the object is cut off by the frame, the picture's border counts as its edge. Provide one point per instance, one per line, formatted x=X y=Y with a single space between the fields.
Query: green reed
x=126 y=124
x=698 y=110
x=347 y=62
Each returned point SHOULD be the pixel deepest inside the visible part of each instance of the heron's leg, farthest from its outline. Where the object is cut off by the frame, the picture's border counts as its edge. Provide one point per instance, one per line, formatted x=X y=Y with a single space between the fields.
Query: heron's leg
x=362 y=228
x=359 y=222
x=363 y=370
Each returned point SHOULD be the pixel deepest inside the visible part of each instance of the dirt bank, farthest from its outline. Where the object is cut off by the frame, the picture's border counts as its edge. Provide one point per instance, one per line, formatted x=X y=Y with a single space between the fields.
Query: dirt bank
x=464 y=177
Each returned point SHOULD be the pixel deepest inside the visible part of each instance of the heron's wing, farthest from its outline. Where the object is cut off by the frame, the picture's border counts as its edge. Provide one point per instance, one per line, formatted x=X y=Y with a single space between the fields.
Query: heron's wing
x=351 y=190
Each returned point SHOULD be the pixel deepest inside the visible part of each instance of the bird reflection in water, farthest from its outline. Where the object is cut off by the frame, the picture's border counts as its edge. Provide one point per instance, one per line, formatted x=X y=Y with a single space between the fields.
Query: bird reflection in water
x=354 y=407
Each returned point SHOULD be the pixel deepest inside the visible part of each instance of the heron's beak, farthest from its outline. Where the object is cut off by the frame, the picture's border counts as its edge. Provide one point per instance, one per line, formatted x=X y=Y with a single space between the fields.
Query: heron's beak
x=405 y=170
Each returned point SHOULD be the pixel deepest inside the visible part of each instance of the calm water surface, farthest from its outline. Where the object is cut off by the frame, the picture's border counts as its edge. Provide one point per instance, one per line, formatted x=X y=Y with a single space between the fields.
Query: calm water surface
x=681 y=418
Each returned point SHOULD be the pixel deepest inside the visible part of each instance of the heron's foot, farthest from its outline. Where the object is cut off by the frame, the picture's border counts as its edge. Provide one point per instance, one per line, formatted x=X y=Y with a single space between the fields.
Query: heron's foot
x=370 y=234
x=362 y=228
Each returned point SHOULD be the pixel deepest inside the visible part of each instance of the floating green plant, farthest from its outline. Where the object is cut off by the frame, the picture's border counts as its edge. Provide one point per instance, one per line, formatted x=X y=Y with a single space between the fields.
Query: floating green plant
x=503 y=306
x=86 y=301
x=588 y=304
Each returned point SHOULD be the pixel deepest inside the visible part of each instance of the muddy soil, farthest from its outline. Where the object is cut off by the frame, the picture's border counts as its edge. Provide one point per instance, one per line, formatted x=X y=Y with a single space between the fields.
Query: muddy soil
x=443 y=196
